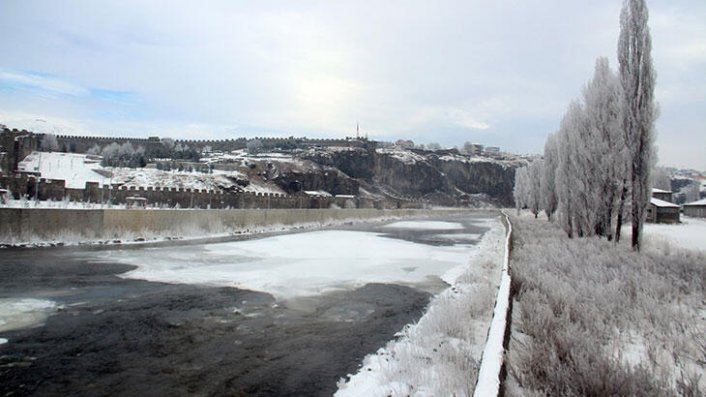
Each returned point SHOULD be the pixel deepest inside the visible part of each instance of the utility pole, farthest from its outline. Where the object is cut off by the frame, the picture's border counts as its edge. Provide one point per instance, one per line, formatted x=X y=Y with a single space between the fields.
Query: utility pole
x=37 y=180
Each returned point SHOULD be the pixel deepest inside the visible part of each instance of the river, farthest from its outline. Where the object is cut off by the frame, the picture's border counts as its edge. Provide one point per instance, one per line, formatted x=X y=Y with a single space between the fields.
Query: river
x=285 y=314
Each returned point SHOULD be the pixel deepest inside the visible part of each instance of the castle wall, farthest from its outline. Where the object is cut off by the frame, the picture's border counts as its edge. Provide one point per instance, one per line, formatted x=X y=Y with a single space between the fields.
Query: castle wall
x=15 y=146
x=222 y=145
x=81 y=144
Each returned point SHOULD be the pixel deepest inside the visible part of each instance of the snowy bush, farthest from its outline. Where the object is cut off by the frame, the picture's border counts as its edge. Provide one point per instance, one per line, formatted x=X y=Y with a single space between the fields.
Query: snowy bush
x=124 y=155
x=49 y=143
x=594 y=318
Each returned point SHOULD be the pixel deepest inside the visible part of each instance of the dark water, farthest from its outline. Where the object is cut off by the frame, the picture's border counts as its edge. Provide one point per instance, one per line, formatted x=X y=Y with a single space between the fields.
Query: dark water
x=121 y=337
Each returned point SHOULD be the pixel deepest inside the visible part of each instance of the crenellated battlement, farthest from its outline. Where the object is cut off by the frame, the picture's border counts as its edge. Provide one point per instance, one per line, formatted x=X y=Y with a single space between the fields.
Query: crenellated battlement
x=105 y=139
x=180 y=197
x=83 y=143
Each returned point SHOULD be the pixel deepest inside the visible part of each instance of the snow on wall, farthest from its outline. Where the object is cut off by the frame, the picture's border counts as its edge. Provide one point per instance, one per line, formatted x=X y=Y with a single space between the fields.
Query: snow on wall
x=492 y=361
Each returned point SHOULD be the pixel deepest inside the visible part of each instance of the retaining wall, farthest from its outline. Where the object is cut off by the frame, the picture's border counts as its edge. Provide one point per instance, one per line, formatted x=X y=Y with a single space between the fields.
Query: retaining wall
x=46 y=224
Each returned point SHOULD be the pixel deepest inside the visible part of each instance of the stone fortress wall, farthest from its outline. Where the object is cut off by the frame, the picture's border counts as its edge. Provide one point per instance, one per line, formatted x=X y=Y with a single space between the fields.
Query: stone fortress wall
x=81 y=144
x=55 y=190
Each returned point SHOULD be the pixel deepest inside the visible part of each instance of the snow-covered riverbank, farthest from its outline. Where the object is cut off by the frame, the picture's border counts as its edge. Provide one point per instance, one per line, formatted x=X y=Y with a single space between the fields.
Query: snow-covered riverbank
x=440 y=354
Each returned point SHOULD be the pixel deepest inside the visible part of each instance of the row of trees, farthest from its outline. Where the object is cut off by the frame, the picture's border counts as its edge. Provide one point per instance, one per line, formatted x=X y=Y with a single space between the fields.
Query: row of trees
x=126 y=155
x=116 y=155
x=597 y=165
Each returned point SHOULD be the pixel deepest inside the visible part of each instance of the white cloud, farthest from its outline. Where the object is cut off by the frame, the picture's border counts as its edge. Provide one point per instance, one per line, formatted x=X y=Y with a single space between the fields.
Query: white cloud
x=44 y=84
x=437 y=71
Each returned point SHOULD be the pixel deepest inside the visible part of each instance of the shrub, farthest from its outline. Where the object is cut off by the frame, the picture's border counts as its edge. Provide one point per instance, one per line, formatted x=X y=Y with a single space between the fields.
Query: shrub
x=595 y=318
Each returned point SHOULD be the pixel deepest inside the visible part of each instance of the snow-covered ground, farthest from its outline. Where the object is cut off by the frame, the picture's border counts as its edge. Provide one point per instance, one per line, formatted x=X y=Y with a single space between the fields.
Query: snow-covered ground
x=77 y=169
x=440 y=355
x=301 y=264
x=405 y=156
x=64 y=204
x=689 y=234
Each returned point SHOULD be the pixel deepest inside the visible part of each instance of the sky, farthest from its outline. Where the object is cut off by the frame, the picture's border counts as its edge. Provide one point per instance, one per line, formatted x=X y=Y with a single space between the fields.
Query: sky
x=499 y=73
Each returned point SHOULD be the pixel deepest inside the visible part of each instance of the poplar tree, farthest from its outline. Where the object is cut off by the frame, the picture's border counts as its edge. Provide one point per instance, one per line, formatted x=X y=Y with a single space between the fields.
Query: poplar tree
x=637 y=77
x=547 y=181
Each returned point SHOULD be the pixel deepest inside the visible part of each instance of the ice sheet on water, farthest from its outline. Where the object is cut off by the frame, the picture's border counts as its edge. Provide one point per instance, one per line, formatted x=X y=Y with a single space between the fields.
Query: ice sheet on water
x=296 y=264
x=425 y=225
x=17 y=313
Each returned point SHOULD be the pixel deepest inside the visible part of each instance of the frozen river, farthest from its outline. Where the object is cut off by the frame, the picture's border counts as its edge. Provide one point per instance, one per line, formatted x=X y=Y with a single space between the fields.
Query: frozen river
x=312 y=263
x=283 y=314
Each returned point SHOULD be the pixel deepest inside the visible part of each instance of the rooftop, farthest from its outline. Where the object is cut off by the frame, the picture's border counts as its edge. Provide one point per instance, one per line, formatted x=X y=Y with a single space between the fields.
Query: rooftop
x=654 y=190
x=697 y=202
x=662 y=203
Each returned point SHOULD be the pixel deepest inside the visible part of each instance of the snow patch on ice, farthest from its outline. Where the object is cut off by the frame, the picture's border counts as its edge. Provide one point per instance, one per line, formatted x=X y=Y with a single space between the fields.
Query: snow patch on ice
x=293 y=265
x=425 y=225
x=18 y=313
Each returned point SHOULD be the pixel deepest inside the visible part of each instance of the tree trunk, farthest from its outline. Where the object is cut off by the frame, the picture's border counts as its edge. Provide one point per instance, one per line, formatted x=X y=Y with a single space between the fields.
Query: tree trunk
x=636 y=237
x=621 y=209
x=635 y=217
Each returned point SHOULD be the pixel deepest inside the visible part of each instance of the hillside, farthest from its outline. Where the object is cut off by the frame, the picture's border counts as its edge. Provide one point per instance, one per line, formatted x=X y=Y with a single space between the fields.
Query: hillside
x=444 y=177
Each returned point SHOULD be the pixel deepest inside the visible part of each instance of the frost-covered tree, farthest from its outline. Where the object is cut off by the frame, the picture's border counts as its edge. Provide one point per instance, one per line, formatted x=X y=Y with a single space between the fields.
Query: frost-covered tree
x=168 y=143
x=521 y=189
x=254 y=146
x=637 y=77
x=125 y=155
x=126 y=150
x=109 y=152
x=692 y=192
x=582 y=163
x=589 y=159
x=547 y=180
x=661 y=179
x=433 y=146
x=565 y=179
x=50 y=143
x=94 y=150
x=534 y=195
x=603 y=102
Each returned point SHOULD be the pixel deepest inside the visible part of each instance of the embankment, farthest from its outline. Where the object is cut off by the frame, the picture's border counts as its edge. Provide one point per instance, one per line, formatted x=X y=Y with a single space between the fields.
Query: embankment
x=47 y=224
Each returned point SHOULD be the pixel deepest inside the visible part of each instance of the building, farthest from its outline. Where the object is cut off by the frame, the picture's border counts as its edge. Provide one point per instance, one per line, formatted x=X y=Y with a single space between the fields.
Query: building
x=696 y=209
x=660 y=211
x=15 y=145
x=664 y=195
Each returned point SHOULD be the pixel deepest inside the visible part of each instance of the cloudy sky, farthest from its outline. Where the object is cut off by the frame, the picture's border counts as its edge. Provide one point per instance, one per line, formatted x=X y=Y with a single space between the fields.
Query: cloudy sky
x=495 y=72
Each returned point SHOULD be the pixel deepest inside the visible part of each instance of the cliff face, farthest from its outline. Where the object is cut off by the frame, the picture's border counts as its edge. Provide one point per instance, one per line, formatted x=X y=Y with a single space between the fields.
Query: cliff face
x=492 y=178
x=439 y=177
x=415 y=176
x=328 y=180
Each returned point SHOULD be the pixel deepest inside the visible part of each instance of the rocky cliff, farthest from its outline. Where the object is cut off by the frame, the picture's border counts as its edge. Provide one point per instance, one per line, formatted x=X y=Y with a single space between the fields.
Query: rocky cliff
x=442 y=177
